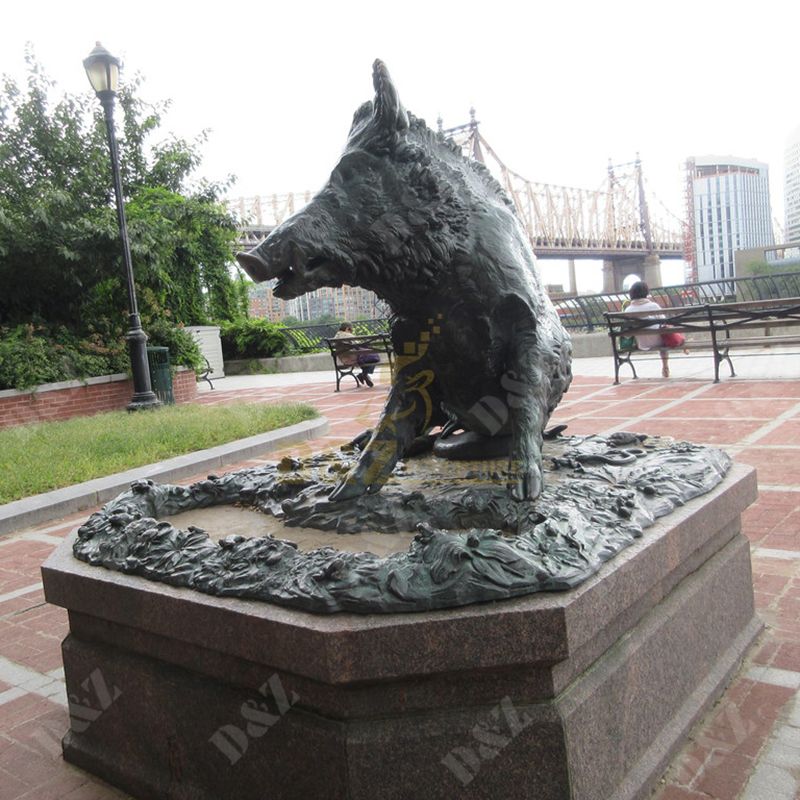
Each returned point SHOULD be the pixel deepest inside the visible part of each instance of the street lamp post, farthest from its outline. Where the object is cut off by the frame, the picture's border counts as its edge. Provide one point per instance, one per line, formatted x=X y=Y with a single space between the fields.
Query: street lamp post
x=103 y=71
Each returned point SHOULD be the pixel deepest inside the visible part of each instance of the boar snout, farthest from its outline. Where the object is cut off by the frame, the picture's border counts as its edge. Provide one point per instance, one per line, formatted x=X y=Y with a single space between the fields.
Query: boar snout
x=254 y=266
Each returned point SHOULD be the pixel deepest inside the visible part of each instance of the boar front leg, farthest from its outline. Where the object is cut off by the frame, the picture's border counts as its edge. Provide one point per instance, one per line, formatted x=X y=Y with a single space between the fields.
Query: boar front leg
x=527 y=392
x=528 y=418
x=411 y=409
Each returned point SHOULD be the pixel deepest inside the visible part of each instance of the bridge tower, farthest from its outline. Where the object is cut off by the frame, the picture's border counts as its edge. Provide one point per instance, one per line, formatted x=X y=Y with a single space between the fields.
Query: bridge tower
x=647 y=264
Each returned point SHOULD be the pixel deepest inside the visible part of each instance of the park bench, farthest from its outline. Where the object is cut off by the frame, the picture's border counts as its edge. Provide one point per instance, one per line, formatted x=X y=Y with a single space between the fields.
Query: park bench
x=379 y=343
x=204 y=372
x=720 y=327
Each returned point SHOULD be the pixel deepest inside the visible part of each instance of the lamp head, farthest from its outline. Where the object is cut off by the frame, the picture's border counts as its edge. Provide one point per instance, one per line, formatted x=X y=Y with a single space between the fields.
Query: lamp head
x=102 y=69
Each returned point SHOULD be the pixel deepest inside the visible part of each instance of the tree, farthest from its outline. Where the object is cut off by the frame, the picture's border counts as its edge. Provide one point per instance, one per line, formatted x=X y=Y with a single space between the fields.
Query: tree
x=60 y=256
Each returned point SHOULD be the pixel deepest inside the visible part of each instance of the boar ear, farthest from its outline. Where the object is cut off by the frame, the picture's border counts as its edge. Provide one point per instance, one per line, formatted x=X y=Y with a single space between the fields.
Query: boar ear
x=361 y=118
x=388 y=111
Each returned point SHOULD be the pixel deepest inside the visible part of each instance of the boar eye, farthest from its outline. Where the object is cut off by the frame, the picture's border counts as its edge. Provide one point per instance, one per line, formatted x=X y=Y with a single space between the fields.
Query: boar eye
x=346 y=173
x=352 y=166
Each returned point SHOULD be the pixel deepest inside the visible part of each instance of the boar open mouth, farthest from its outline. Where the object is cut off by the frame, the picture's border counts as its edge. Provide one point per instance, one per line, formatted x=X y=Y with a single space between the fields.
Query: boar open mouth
x=293 y=279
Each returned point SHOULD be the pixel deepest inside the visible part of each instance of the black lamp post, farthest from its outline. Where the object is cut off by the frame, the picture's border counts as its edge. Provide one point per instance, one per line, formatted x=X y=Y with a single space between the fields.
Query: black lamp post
x=103 y=71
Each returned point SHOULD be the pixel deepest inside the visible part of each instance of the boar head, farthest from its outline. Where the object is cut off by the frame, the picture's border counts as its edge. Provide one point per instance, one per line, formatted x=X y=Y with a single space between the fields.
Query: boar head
x=387 y=219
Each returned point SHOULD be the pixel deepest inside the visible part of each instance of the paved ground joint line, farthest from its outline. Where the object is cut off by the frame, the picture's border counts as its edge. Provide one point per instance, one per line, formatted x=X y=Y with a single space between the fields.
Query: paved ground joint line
x=770 y=426
x=28 y=680
x=774 y=552
x=775 y=677
x=661 y=409
x=776 y=775
x=20 y=592
x=35 y=535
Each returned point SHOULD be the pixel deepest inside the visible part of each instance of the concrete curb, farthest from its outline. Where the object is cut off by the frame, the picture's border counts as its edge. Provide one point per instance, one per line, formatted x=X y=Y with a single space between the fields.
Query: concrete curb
x=51 y=505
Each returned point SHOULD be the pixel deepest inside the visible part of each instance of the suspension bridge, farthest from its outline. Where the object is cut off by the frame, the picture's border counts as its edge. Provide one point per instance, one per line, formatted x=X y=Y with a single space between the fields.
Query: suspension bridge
x=621 y=222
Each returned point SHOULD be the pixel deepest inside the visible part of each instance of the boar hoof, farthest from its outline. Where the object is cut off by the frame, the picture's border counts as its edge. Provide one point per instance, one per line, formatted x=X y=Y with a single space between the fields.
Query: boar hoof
x=347 y=490
x=526 y=485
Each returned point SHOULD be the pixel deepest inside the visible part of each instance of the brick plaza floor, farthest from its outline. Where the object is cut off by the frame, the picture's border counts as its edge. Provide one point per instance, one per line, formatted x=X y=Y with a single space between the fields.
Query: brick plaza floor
x=748 y=745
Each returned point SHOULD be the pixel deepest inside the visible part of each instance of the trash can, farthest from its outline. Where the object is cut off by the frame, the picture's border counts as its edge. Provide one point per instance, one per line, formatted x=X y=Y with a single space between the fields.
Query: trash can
x=160 y=374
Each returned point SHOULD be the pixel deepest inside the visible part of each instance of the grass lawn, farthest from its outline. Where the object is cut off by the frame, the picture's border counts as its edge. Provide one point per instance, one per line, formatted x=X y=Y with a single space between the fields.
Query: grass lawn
x=50 y=455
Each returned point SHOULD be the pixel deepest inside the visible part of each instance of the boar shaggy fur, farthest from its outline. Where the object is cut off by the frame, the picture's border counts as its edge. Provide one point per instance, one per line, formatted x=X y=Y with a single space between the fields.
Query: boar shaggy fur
x=480 y=347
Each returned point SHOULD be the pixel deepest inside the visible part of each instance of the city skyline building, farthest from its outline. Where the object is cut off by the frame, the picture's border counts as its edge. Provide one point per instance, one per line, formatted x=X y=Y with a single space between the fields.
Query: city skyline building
x=791 y=187
x=260 y=215
x=343 y=303
x=729 y=209
x=263 y=304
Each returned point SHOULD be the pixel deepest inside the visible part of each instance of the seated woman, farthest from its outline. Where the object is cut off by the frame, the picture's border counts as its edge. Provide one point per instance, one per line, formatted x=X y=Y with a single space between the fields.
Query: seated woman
x=641 y=301
x=358 y=356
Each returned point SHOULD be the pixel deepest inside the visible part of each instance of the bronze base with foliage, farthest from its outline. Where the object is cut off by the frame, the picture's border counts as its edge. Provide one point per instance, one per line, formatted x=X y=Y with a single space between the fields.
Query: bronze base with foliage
x=473 y=542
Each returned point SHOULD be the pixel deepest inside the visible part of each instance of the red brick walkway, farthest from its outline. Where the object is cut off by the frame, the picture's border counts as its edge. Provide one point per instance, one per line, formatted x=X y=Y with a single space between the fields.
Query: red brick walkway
x=748 y=746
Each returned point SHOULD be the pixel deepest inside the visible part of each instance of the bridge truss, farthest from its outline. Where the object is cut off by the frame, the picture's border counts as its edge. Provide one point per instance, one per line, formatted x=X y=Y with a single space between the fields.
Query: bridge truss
x=617 y=219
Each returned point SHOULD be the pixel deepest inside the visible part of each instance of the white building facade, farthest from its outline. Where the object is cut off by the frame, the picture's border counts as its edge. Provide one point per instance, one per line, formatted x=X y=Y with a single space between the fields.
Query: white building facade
x=731 y=210
x=791 y=187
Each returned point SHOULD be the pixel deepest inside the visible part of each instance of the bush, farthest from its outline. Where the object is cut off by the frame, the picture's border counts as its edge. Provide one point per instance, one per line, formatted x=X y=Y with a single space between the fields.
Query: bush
x=26 y=360
x=254 y=366
x=252 y=338
x=57 y=228
x=183 y=348
x=31 y=355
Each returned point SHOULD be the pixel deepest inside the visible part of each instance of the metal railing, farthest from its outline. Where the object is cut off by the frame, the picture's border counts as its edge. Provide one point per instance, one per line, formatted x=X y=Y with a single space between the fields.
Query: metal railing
x=585 y=312
x=308 y=338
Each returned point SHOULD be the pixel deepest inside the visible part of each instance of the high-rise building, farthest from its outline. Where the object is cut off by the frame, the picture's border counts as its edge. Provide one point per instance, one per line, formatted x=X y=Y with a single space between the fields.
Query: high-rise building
x=791 y=190
x=343 y=303
x=264 y=213
x=730 y=210
x=263 y=303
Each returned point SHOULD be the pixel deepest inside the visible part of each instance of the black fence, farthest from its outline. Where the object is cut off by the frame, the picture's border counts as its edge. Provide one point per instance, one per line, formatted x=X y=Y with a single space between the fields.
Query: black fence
x=586 y=312
x=308 y=338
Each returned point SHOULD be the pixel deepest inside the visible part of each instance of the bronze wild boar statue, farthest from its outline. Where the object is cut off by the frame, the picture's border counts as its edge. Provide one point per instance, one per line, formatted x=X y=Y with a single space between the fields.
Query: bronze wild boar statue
x=480 y=347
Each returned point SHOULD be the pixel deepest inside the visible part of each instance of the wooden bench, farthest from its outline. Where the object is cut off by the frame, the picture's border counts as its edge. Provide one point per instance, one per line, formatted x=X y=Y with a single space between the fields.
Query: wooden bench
x=722 y=326
x=379 y=343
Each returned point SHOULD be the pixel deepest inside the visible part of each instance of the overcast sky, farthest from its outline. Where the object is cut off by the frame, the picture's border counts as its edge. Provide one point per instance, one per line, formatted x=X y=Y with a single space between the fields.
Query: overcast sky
x=558 y=87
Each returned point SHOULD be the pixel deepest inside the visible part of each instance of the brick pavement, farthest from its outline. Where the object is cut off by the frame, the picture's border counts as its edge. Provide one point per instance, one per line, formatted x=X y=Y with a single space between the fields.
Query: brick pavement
x=746 y=748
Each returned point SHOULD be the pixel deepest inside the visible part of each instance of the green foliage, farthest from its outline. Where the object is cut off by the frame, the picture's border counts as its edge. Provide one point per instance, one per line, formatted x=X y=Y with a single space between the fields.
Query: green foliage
x=27 y=360
x=784 y=279
x=307 y=337
x=305 y=342
x=252 y=338
x=782 y=268
x=368 y=327
x=34 y=354
x=60 y=252
x=31 y=355
x=255 y=367
x=183 y=348
x=760 y=267
x=49 y=455
x=324 y=319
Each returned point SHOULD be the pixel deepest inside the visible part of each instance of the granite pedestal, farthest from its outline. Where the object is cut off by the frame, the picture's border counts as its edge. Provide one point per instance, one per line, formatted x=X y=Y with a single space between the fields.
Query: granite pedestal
x=580 y=695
